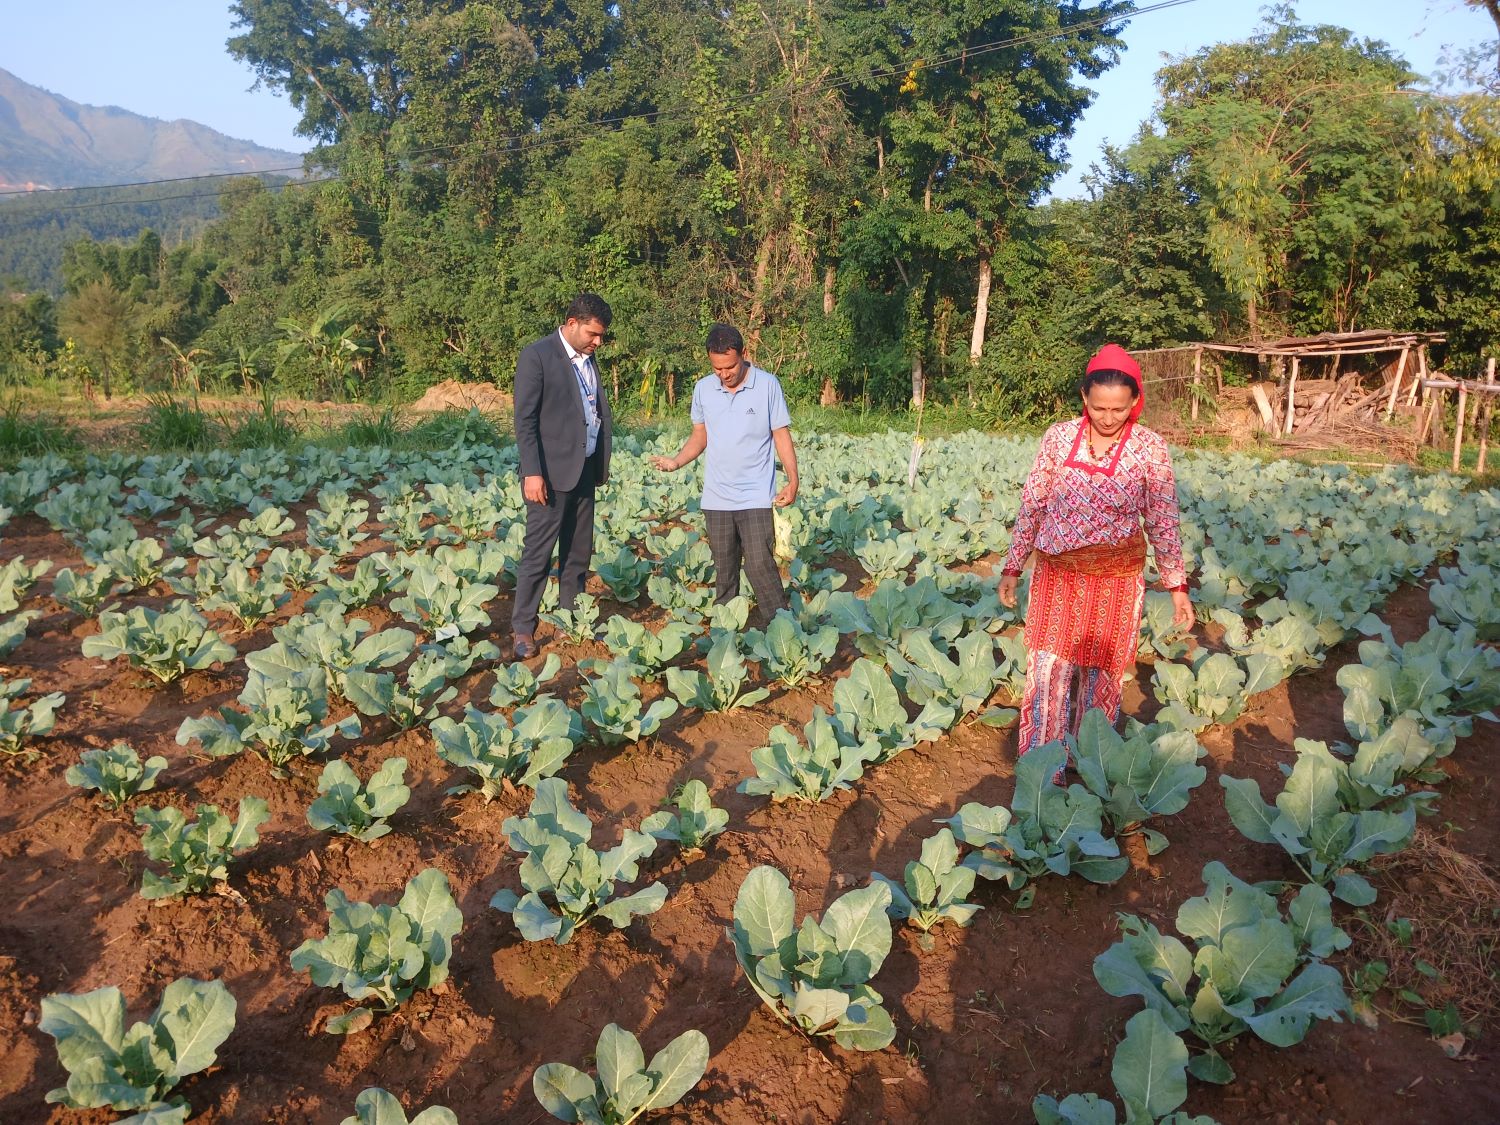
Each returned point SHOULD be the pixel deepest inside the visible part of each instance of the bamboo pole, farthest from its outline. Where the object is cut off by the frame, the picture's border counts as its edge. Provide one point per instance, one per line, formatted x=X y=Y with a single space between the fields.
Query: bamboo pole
x=1489 y=415
x=1420 y=383
x=1390 y=406
x=1458 y=426
x=1197 y=379
x=1291 y=396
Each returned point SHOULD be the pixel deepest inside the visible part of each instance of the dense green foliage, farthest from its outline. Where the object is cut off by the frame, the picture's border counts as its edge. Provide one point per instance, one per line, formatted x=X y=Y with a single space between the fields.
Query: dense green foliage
x=858 y=186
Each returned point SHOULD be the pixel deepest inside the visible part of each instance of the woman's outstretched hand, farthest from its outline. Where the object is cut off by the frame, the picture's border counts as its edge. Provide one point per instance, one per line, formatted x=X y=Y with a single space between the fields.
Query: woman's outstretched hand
x=1182 y=610
x=1007 y=591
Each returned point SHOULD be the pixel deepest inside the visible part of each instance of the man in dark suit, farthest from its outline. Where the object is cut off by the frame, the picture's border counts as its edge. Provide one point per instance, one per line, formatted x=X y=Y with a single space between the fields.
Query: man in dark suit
x=563 y=435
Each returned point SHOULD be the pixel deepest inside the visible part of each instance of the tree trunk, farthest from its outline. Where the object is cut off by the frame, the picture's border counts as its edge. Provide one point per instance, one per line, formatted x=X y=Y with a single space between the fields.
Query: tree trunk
x=918 y=381
x=830 y=276
x=981 y=309
x=758 y=298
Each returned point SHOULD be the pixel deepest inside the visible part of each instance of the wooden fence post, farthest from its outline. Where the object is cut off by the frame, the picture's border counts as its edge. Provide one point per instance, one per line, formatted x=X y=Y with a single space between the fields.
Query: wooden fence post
x=1421 y=381
x=1197 y=379
x=1489 y=414
x=1458 y=433
x=1390 y=406
x=1291 y=395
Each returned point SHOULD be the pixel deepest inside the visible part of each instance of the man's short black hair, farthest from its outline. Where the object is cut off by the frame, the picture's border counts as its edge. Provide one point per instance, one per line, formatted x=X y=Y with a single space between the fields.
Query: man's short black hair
x=589 y=306
x=725 y=338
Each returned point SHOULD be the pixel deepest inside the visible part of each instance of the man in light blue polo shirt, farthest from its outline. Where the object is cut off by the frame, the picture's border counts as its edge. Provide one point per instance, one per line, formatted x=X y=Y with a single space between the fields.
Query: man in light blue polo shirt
x=740 y=418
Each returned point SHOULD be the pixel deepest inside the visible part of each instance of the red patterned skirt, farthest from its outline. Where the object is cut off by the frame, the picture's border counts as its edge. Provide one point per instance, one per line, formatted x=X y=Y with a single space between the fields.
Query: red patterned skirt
x=1086 y=605
x=1082 y=626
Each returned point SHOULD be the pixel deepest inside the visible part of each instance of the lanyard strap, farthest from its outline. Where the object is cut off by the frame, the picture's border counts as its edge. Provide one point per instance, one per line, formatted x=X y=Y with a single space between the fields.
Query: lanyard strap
x=589 y=396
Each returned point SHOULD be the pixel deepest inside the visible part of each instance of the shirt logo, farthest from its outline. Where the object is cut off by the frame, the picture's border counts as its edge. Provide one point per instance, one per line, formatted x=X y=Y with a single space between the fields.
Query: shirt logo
x=750 y=411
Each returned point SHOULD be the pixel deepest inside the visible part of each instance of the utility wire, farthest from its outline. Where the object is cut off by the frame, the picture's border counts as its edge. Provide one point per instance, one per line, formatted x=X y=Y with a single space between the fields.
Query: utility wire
x=526 y=143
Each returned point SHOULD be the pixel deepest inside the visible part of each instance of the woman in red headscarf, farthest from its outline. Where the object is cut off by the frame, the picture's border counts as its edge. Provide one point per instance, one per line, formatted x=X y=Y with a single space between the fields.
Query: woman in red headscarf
x=1097 y=481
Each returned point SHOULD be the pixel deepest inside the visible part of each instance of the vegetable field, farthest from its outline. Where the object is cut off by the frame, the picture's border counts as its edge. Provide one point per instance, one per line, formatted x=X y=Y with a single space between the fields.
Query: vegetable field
x=283 y=825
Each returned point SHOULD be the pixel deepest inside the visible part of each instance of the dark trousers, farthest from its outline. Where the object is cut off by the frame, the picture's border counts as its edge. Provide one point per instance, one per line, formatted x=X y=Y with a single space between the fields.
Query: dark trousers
x=565 y=523
x=747 y=537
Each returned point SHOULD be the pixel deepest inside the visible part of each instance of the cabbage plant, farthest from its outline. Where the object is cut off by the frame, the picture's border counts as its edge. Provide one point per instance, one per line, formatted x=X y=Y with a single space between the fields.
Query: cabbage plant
x=167 y=643
x=516 y=683
x=501 y=752
x=646 y=652
x=1250 y=968
x=787 y=653
x=1047 y=828
x=696 y=820
x=383 y=954
x=722 y=687
x=567 y=882
x=350 y=808
x=935 y=887
x=375 y=1106
x=1151 y=772
x=613 y=709
x=627 y=1086
x=19 y=723
x=816 y=977
x=284 y=718
x=138 y=1067
x=813 y=769
x=196 y=853
x=117 y=773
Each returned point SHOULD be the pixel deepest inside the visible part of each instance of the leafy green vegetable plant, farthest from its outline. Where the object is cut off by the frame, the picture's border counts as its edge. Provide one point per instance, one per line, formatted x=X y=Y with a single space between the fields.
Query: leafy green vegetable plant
x=1212 y=688
x=324 y=638
x=790 y=655
x=811 y=770
x=947 y=688
x=567 y=883
x=934 y=887
x=117 y=773
x=439 y=600
x=625 y=574
x=816 y=977
x=516 y=683
x=696 y=820
x=532 y=744
x=1046 y=829
x=84 y=591
x=647 y=653
x=1251 y=969
x=375 y=1106
x=250 y=598
x=168 y=643
x=613 y=709
x=578 y=624
x=627 y=1086
x=283 y=719
x=17 y=577
x=723 y=687
x=13 y=630
x=1442 y=680
x=1150 y=1075
x=410 y=700
x=1311 y=822
x=1149 y=773
x=20 y=724
x=383 y=954
x=351 y=809
x=136 y=1068
x=196 y=852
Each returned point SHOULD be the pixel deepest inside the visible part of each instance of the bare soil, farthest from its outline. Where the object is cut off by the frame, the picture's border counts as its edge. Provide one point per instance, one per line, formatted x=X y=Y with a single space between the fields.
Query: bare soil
x=986 y=1019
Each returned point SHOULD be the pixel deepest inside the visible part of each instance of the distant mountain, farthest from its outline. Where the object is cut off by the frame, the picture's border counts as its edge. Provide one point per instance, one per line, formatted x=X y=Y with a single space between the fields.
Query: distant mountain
x=46 y=140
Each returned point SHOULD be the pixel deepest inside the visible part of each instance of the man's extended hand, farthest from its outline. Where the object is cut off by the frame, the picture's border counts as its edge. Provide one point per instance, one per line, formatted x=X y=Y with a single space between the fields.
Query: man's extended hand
x=665 y=464
x=534 y=489
x=786 y=496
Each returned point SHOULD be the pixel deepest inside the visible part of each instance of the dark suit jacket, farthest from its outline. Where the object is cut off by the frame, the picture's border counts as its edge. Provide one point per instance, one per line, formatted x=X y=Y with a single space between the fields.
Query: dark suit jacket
x=551 y=430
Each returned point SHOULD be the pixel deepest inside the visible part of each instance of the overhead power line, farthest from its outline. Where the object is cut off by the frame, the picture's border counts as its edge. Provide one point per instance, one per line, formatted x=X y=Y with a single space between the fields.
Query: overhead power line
x=528 y=142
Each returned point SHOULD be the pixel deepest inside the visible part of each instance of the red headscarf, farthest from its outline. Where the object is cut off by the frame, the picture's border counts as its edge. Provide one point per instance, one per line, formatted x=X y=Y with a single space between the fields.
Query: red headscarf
x=1111 y=357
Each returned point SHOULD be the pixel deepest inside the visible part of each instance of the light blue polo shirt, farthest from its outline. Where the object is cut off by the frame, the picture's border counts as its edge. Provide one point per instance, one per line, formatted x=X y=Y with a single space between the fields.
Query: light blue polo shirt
x=740 y=462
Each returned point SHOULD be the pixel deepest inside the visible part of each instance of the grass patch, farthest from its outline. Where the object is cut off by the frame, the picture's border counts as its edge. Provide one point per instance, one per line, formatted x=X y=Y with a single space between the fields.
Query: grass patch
x=454 y=428
x=382 y=428
x=171 y=423
x=268 y=427
x=24 y=434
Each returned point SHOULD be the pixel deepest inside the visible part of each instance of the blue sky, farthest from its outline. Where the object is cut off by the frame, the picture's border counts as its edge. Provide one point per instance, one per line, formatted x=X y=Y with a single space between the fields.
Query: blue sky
x=166 y=59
